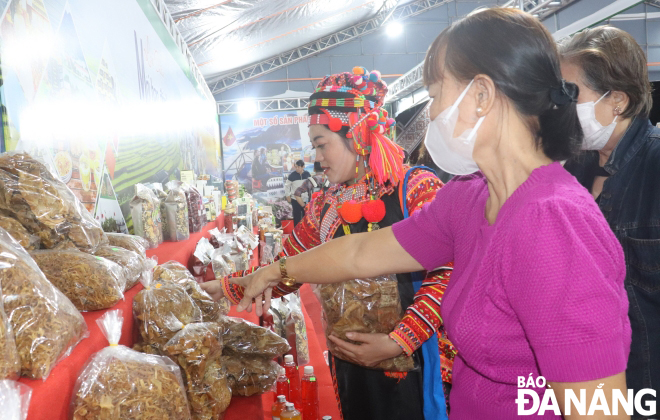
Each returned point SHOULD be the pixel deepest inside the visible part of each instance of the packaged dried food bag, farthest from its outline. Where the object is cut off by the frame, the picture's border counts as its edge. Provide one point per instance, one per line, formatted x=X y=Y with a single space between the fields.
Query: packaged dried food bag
x=18 y=232
x=14 y=400
x=245 y=338
x=364 y=306
x=45 y=206
x=131 y=242
x=177 y=273
x=10 y=364
x=46 y=325
x=279 y=312
x=197 y=349
x=145 y=213
x=89 y=281
x=132 y=264
x=296 y=330
x=161 y=309
x=121 y=383
x=175 y=216
x=196 y=209
x=250 y=375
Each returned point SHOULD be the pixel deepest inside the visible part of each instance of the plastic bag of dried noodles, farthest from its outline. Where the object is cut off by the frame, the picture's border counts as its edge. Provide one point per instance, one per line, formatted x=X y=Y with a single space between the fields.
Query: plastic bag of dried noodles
x=131 y=242
x=46 y=325
x=132 y=264
x=89 y=281
x=10 y=364
x=45 y=206
x=121 y=383
x=161 y=310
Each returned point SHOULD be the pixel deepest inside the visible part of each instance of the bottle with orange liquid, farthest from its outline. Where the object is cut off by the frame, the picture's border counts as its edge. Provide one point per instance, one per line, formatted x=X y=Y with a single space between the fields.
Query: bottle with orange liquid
x=290 y=412
x=282 y=385
x=310 y=395
x=295 y=395
x=278 y=407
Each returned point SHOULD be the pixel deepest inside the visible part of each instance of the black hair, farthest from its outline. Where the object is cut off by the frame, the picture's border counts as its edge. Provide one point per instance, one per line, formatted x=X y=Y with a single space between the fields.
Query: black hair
x=518 y=53
x=344 y=130
x=300 y=163
x=318 y=167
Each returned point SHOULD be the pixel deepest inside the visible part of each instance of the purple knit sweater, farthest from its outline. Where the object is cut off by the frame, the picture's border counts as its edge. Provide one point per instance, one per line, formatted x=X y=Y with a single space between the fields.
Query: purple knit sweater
x=540 y=291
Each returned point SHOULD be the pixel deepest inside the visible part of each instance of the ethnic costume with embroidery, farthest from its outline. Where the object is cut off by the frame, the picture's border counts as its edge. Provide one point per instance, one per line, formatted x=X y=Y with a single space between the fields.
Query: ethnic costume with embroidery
x=364 y=393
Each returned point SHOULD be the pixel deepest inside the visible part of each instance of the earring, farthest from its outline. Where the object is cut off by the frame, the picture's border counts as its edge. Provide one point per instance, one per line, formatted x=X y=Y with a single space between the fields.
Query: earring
x=617 y=110
x=479 y=110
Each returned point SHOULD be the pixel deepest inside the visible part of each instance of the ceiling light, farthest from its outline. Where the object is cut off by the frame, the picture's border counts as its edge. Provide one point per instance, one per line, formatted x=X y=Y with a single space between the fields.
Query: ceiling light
x=394 y=29
x=554 y=3
x=247 y=108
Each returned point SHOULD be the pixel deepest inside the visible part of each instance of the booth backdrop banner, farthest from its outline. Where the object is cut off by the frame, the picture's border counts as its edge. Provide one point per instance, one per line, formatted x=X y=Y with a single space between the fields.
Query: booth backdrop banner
x=261 y=151
x=100 y=91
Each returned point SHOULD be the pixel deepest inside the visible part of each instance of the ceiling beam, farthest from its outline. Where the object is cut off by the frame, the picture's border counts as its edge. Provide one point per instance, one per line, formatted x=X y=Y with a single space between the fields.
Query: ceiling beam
x=390 y=12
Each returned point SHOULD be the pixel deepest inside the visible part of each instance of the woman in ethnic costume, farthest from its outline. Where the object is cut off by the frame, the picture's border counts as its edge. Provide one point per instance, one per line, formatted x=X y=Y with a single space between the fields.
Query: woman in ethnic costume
x=347 y=129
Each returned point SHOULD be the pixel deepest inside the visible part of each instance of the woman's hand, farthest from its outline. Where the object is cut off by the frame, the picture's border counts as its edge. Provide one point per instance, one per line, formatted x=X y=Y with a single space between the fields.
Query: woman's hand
x=258 y=286
x=214 y=289
x=374 y=348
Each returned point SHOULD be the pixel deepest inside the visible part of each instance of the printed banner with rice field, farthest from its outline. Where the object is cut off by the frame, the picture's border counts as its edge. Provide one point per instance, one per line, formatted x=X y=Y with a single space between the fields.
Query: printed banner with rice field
x=100 y=92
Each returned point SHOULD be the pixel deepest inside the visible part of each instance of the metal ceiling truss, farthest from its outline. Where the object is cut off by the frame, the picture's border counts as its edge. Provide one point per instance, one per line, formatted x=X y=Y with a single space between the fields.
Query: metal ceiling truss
x=412 y=80
x=169 y=23
x=389 y=12
x=415 y=130
x=285 y=104
x=539 y=8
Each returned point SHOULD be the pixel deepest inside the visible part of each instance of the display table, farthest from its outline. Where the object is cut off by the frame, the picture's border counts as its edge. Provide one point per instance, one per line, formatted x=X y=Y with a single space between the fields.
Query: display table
x=51 y=398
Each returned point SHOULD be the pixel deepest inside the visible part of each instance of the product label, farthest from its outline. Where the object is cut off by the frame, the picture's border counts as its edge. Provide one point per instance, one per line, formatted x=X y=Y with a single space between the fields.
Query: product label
x=312 y=379
x=115 y=249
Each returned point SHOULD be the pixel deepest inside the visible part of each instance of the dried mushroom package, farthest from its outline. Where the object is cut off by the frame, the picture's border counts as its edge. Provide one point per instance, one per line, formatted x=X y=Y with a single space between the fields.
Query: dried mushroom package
x=14 y=400
x=45 y=206
x=10 y=364
x=161 y=310
x=175 y=216
x=197 y=349
x=132 y=264
x=89 y=281
x=177 y=273
x=18 y=232
x=121 y=383
x=131 y=242
x=145 y=213
x=364 y=306
x=250 y=375
x=46 y=325
x=246 y=338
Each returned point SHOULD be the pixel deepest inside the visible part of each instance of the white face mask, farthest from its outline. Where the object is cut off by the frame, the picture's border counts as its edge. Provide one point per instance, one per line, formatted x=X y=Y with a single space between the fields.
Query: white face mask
x=452 y=154
x=595 y=134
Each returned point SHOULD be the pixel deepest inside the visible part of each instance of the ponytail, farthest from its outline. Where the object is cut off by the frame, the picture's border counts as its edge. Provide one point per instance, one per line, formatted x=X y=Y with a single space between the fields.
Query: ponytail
x=560 y=133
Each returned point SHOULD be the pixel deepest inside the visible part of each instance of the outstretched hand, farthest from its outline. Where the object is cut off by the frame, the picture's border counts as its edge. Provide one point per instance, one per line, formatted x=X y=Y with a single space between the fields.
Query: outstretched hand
x=214 y=289
x=258 y=289
x=371 y=350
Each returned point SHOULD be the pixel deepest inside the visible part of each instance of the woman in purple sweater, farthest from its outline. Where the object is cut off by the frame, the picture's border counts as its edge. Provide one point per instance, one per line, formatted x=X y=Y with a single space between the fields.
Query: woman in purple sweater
x=538 y=276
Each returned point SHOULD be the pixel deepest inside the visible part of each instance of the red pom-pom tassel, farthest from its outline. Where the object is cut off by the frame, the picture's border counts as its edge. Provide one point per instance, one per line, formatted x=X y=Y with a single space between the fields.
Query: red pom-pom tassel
x=373 y=211
x=351 y=211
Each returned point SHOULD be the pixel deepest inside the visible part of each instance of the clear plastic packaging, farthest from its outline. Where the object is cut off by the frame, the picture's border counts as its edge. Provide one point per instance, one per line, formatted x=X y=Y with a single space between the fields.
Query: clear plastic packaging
x=161 y=310
x=197 y=349
x=14 y=400
x=121 y=383
x=145 y=213
x=245 y=338
x=89 y=281
x=177 y=273
x=250 y=375
x=10 y=364
x=45 y=206
x=364 y=306
x=296 y=330
x=131 y=242
x=46 y=325
x=18 y=232
x=132 y=264
x=175 y=216
x=196 y=215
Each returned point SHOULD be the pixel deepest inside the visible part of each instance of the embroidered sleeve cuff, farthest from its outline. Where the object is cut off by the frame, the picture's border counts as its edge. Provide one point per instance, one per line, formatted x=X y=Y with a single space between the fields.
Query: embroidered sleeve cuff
x=399 y=337
x=231 y=291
